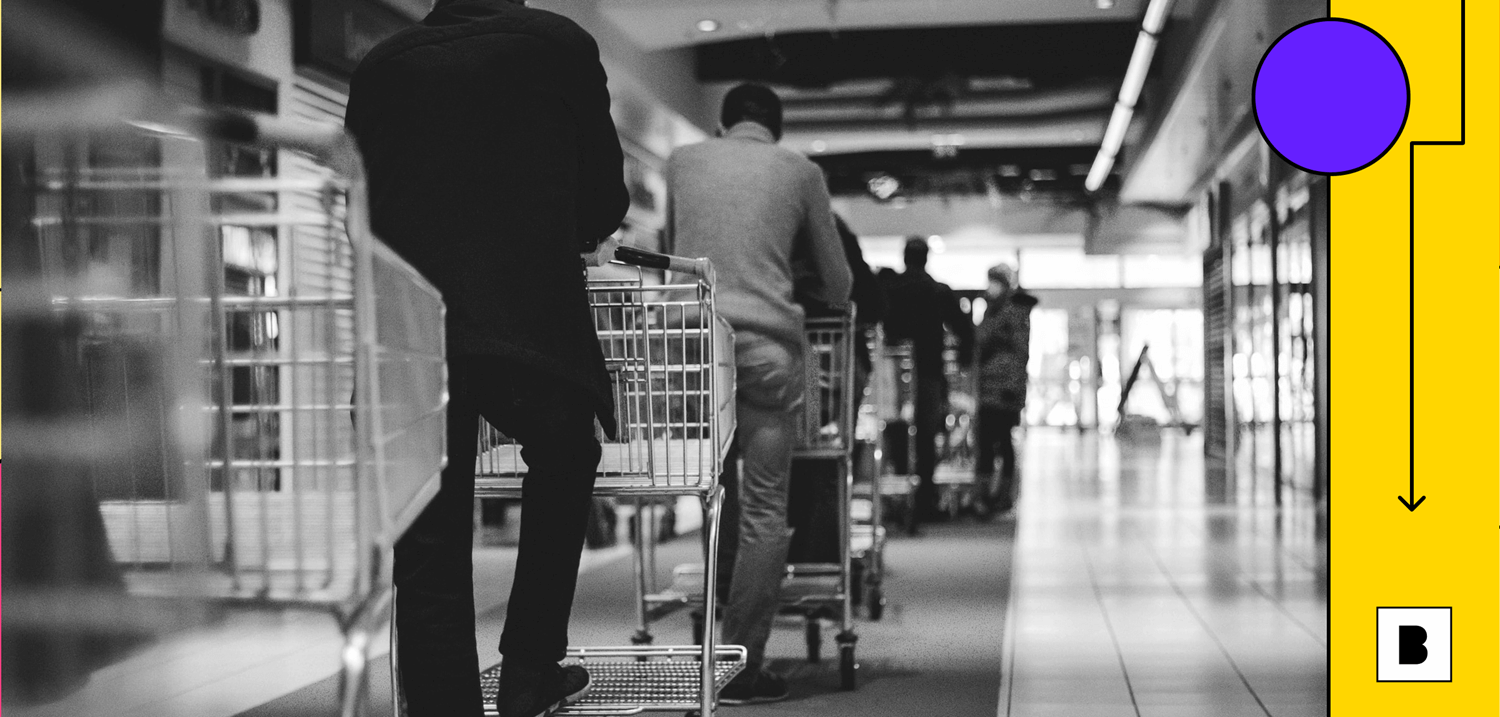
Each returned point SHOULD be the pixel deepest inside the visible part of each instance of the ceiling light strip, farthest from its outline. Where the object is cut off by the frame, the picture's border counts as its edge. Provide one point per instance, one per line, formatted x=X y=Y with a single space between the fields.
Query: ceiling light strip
x=1130 y=92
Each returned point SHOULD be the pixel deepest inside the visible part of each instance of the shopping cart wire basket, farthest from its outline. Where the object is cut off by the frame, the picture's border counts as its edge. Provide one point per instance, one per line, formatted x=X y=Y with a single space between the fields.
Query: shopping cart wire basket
x=220 y=327
x=670 y=359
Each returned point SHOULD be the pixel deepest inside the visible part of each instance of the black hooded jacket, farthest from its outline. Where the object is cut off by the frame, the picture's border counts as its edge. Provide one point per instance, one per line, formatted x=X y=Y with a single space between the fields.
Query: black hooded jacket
x=492 y=160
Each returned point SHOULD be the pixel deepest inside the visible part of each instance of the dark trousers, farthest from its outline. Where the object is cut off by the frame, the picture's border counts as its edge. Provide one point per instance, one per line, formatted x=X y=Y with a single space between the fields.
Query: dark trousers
x=930 y=409
x=434 y=569
x=996 y=439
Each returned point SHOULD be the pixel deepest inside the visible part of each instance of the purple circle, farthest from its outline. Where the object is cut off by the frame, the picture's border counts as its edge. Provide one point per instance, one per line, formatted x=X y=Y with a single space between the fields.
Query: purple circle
x=1331 y=96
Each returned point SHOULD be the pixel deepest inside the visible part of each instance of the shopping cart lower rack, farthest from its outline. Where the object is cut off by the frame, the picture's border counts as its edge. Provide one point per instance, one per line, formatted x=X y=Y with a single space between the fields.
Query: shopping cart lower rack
x=626 y=681
x=671 y=362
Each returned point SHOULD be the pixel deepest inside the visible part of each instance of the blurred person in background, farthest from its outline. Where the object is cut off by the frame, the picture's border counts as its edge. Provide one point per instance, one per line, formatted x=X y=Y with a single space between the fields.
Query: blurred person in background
x=813 y=506
x=748 y=205
x=920 y=307
x=868 y=295
x=1003 y=344
x=493 y=163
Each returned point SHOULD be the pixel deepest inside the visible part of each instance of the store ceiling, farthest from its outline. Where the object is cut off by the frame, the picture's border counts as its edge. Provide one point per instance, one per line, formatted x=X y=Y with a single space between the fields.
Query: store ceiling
x=1003 y=58
x=953 y=110
x=946 y=97
x=659 y=24
x=1055 y=173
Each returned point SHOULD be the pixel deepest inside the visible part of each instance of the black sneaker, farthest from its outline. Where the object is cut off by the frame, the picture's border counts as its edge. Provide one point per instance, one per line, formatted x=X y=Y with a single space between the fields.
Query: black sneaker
x=753 y=688
x=527 y=691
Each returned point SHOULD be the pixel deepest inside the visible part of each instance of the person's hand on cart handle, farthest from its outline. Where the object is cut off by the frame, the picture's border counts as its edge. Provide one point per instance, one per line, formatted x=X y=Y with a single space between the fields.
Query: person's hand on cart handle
x=623 y=254
x=604 y=253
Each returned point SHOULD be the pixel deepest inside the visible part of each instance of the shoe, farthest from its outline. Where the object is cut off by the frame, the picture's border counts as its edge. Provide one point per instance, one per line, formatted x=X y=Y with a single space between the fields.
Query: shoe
x=753 y=688
x=527 y=691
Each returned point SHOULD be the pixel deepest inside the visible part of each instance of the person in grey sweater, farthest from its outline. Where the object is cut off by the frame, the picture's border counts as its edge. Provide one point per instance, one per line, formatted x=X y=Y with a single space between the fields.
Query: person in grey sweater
x=749 y=206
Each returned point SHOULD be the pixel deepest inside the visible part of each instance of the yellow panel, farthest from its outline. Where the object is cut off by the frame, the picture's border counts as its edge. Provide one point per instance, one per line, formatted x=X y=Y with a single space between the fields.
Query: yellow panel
x=1445 y=553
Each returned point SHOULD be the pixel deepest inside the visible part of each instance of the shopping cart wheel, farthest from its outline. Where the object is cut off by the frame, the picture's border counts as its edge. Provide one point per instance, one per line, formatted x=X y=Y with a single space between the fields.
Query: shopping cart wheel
x=876 y=602
x=857 y=583
x=847 y=665
x=814 y=640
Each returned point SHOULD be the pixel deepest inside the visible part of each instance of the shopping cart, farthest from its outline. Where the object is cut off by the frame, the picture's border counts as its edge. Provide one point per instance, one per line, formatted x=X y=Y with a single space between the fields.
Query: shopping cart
x=825 y=439
x=867 y=504
x=214 y=330
x=825 y=448
x=892 y=395
x=958 y=485
x=671 y=361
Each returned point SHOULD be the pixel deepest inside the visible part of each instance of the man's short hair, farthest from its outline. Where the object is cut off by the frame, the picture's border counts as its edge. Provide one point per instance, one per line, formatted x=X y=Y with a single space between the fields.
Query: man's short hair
x=750 y=102
x=916 y=252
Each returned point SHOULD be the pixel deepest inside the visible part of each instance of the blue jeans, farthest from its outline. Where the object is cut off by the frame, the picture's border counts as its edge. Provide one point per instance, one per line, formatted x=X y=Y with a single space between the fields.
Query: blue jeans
x=771 y=382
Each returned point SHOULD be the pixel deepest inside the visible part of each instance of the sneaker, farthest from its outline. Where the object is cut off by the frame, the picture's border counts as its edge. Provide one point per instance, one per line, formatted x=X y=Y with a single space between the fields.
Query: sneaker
x=752 y=688
x=527 y=691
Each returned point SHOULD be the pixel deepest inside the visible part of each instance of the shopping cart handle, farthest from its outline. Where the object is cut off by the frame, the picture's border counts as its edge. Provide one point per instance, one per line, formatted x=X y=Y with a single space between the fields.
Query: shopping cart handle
x=700 y=268
x=328 y=142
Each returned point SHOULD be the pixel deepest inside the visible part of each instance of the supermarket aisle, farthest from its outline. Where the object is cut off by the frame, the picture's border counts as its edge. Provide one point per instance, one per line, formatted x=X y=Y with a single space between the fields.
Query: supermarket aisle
x=938 y=645
x=1133 y=598
x=1115 y=591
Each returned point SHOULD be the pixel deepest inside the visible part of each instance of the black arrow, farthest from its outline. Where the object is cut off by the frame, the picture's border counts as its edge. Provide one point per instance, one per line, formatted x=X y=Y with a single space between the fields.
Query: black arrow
x=1413 y=501
x=1410 y=505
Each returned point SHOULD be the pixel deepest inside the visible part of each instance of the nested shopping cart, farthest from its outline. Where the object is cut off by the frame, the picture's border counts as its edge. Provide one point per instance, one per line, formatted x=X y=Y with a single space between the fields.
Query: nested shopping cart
x=959 y=488
x=825 y=435
x=670 y=358
x=892 y=396
x=207 y=335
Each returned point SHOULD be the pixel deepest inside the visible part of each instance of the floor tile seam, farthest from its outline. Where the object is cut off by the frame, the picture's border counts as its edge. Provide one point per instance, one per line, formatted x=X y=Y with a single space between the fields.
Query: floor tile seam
x=160 y=702
x=1207 y=628
x=266 y=659
x=1008 y=667
x=1109 y=626
x=1255 y=584
x=1300 y=560
x=198 y=646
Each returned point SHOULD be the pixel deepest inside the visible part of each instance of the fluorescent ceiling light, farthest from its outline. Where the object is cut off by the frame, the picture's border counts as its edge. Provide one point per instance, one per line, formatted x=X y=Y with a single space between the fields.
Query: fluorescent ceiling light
x=1156 y=16
x=1130 y=92
x=1135 y=73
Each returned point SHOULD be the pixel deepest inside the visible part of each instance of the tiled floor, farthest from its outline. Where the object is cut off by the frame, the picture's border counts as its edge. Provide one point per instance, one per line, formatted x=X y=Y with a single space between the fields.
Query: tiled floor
x=1114 y=590
x=252 y=657
x=1130 y=596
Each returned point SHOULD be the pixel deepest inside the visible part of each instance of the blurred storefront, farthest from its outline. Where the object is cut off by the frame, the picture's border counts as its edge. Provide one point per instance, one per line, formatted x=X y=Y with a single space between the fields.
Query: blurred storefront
x=1262 y=229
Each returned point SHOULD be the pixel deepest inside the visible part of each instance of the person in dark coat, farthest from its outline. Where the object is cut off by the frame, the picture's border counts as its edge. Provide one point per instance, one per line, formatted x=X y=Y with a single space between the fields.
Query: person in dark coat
x=920 y=309
x=493 y=162
x=868 y=294
x=812 y=507
x=1003 y=344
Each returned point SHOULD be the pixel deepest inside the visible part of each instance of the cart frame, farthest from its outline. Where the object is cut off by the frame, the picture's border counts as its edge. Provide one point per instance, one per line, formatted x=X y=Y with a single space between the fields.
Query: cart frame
x=672 y=360
x=194 y=530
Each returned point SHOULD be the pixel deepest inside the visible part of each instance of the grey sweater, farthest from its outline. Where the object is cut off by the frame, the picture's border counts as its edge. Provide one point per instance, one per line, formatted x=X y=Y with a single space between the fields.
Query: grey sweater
x=746 y=204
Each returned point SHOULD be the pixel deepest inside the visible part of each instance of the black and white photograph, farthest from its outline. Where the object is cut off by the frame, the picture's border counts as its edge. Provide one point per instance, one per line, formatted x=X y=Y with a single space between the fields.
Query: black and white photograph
x=517 y=358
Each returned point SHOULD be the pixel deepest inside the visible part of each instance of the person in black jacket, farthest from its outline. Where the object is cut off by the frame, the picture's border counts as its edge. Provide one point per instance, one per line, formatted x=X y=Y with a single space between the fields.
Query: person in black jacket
x=1003 y=345
x=812 y=506
x=868 y=295
x=493 y=162
x=920 y=307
